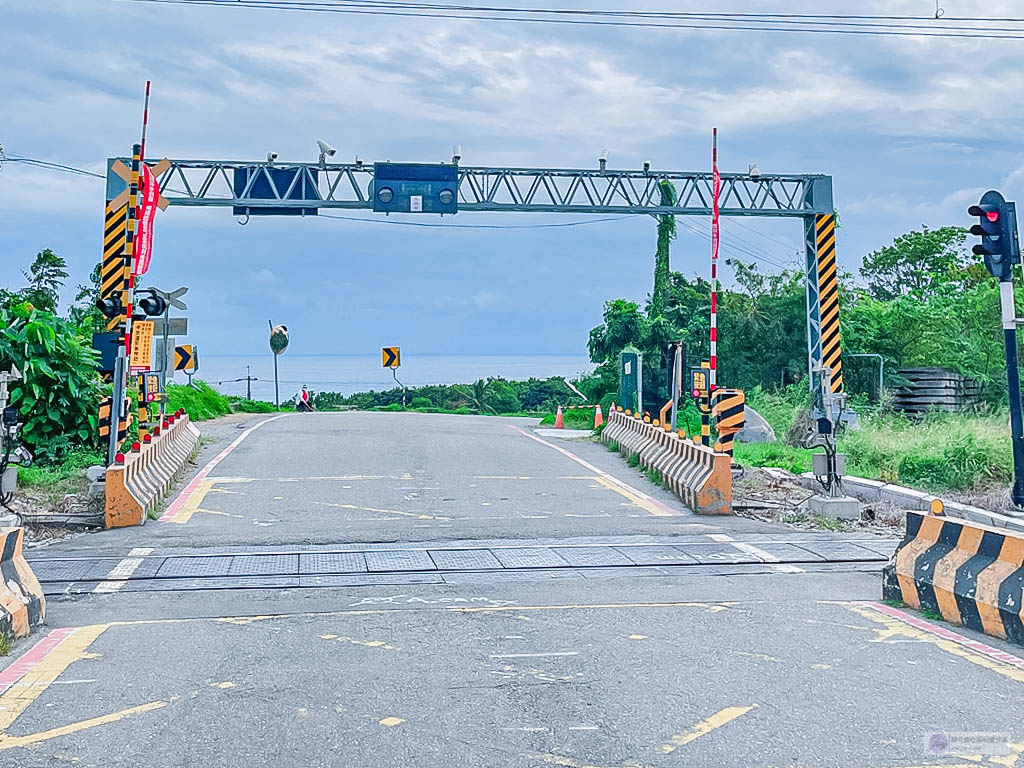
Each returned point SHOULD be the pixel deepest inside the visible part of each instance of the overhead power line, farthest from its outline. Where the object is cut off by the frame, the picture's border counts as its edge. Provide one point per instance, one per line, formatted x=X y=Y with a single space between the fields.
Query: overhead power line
x=848 y=24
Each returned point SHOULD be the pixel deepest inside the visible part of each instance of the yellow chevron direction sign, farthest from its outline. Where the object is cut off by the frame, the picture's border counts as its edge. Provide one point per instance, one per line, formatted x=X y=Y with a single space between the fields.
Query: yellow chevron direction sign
x=186 y=358
x=391 y=357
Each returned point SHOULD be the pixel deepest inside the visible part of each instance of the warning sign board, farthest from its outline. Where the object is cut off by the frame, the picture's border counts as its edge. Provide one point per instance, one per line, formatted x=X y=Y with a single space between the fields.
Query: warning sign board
x=186 y=358
x=390 y=357
x=141 y=358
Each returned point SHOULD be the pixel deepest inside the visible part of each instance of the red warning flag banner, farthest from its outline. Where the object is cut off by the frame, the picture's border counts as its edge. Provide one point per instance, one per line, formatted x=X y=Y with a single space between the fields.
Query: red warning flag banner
x=147 y=214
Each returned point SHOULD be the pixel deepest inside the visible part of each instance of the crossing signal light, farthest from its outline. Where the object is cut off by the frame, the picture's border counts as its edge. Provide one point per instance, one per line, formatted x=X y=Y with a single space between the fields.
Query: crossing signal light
x=110 y=307
x=153 y=304
x=997 y=227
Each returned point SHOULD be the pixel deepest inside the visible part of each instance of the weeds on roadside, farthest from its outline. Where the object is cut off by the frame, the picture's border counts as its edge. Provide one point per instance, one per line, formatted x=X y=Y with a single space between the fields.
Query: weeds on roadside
x=5 y=644
x=613 y=445
x=634 y=460
x=829 y=523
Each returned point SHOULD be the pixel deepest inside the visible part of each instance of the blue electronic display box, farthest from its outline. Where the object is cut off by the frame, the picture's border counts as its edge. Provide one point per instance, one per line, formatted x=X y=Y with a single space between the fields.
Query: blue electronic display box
x=415 y=188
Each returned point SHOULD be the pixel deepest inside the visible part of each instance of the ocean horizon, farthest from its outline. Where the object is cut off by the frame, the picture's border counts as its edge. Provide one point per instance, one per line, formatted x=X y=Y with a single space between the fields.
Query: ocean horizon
x=350 y=373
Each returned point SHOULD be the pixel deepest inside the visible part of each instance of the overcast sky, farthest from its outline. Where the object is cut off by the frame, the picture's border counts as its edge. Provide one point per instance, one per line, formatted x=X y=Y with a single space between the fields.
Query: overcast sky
x=903 y=125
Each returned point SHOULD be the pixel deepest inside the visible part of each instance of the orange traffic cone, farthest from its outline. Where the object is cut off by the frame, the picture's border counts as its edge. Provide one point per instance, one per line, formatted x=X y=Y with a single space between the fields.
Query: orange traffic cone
x=598 y=417
x=559 y=421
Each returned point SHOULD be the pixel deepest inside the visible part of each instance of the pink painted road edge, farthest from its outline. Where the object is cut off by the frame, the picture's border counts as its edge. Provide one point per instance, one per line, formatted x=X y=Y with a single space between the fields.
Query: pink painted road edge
x=947 y=634
x=182 y=497
x=610 y=478
x=32 y=656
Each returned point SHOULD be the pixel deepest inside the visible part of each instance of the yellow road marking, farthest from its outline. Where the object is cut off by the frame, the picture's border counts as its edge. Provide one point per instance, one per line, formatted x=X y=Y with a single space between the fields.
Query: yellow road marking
x=390 y=722
x=9 y=742
x=195 y=500
x=381 y=511
x=638 y=637
x=16 y=699
x=365 y=643
x=896 y=628
x=704 y=727
x=645 y=504
x=761 y=656
x=225 y=685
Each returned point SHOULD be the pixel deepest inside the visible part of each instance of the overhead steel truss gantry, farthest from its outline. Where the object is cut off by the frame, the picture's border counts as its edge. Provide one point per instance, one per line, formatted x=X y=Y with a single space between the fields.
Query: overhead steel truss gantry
x=252 y=188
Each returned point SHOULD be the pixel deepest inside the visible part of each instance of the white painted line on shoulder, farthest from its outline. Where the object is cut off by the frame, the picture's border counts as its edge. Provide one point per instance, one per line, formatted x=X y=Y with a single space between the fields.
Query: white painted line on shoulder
x=647 y=500
x=179 y=502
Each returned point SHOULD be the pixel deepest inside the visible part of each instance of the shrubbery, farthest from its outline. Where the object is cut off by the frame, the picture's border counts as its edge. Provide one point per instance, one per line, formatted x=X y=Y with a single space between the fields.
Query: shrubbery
x=60 y=390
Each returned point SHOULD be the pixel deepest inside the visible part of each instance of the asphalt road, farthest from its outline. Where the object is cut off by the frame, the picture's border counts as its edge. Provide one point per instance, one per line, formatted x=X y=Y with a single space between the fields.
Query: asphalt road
x=403 y=589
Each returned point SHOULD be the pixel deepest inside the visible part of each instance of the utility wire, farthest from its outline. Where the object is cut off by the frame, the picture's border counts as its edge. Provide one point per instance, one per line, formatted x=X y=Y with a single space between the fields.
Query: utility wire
x=606 y=18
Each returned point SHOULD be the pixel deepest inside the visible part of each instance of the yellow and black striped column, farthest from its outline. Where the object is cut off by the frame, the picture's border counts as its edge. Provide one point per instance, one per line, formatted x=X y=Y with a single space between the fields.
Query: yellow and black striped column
x=104 y=422
x=828 y=297
x=730 y=416
x=113 y=271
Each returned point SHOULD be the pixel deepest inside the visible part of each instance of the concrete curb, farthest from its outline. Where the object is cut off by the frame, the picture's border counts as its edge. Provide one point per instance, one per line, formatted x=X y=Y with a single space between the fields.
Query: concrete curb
x=699 y=476
x=22 y=605
x=909 y=498
x=137 y=486
x=970 y=574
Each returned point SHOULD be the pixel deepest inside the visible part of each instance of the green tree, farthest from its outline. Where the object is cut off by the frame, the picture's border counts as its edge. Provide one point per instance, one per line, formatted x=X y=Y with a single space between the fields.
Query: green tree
x=666 y=234
x=500 y=395
x=46 y=276
x=83 y=312
x=623 y=324
x=918 y=263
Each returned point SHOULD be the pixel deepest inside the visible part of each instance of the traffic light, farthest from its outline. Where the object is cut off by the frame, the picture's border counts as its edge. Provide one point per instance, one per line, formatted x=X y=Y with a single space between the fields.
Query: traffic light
x=111 y=307
x=153 y=304
x=997 y=226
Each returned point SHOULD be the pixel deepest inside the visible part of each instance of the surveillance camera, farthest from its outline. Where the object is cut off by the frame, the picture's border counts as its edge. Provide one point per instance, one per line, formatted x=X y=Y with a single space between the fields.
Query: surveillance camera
x=753 y=170
x=271 y=157
x=456 y=153
x=602 y=159
x=647 y=166
x=325 y=148
x=359 y=162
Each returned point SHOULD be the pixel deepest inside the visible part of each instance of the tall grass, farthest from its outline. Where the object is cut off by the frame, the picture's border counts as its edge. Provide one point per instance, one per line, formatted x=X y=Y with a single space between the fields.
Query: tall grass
x=957 y=451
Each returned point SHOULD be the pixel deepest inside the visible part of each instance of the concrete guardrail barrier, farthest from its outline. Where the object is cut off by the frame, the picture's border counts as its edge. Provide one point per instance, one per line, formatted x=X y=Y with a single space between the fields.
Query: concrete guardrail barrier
x=22 y=605
x=137 y=483
x=969 y=573
x=700 y=476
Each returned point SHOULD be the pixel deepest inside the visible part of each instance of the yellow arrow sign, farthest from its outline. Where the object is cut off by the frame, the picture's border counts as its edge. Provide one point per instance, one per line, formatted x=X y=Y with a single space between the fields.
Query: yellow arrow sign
x=186 y=358
x=390 y=357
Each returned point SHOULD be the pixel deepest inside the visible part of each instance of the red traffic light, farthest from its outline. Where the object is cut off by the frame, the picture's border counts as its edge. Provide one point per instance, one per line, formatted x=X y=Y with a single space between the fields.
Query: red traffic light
x=992 y=215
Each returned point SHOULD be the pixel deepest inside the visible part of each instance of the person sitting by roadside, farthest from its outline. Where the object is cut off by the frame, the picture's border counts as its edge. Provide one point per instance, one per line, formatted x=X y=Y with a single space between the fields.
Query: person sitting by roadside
x=303 y=402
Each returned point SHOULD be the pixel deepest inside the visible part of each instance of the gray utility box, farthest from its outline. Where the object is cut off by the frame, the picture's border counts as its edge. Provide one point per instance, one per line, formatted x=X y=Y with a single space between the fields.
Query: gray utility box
x=819 y=464
x=9 y=482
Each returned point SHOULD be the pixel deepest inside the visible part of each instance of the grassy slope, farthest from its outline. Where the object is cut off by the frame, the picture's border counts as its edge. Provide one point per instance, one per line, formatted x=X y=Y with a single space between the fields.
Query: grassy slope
x=960 y=451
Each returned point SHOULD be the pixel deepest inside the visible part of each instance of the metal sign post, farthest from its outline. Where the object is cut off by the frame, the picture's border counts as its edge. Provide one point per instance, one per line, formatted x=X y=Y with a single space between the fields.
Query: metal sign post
x=278 y=344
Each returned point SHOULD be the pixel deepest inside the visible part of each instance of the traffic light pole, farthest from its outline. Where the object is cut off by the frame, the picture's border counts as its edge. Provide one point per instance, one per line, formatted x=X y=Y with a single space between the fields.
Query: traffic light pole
x=1009 y=316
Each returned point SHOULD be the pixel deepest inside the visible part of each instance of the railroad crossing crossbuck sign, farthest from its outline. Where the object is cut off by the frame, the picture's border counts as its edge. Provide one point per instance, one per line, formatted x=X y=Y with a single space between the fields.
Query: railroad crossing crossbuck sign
x=186 y=358
x=390 y=357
